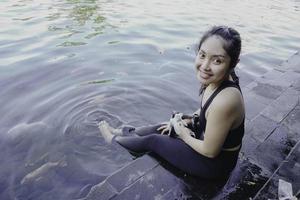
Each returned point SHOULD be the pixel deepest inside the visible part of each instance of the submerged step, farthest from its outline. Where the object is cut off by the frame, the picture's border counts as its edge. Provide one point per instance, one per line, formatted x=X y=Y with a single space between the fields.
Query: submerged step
x=122 y=179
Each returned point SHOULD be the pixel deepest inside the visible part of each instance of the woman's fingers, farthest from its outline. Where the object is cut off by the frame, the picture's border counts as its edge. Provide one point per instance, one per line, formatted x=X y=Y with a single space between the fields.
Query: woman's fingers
x=161 y=128
x=164 y=131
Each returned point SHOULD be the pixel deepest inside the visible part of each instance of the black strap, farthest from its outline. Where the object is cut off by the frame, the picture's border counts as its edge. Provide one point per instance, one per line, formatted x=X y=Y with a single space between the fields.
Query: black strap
x=224 y=85
x=200 y=123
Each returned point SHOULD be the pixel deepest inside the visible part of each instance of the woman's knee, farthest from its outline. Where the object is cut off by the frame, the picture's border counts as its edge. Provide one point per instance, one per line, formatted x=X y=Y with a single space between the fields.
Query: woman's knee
x=151 y=140
x=147 y=130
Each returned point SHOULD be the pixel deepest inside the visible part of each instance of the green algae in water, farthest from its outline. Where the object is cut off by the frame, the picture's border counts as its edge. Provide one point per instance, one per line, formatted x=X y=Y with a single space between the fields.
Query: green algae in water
x=91 y=35
x=81 y=1
x=54 y=28
x=99 y=19
x=53 y=16
x=68 y=44
x=113 y=42
x=23 y=19
x=100 y=81
x=83 y=13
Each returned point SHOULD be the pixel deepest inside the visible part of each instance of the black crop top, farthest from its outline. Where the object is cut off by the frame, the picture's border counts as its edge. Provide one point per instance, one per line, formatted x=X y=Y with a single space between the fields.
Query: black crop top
x=234 y=136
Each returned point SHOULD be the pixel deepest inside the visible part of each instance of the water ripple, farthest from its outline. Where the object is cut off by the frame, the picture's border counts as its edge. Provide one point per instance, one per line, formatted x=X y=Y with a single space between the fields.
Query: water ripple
x=67 y=64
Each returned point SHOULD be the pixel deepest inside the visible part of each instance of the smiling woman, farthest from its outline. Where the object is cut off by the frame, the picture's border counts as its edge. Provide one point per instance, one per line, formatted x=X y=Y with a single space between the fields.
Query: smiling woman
x=208 y=143
x=212 y=61
x=218 y=55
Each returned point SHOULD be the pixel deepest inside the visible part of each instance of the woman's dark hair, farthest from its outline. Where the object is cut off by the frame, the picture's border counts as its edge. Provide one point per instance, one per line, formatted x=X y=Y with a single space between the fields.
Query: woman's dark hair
x=232 y=45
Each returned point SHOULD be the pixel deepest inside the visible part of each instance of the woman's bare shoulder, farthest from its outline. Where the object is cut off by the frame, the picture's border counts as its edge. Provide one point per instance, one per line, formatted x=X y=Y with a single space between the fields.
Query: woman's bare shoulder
x=228 y=99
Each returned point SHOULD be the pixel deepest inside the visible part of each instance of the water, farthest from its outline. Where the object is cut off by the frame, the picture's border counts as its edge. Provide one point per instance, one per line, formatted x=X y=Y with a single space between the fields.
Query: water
x=67 y=64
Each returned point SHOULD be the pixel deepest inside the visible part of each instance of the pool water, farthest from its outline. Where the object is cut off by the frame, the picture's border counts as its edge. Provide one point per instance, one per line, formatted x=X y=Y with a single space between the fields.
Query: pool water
x=68 y=64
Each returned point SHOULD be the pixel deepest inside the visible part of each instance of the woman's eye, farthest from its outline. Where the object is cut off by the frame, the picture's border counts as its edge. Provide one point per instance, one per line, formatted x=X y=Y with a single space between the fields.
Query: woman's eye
x=201 y=55
x=217 y=61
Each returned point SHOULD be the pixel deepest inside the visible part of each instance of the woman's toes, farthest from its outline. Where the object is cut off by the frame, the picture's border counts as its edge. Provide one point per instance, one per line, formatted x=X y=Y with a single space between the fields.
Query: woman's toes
x=101 y=123
x=105 y=132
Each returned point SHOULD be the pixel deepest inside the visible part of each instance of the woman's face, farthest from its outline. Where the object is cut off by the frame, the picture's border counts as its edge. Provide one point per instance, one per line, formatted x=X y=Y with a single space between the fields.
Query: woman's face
x=212 y=61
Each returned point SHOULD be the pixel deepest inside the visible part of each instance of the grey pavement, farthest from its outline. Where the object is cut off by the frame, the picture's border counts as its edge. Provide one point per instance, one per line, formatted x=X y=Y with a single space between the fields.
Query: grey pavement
x=270 y=151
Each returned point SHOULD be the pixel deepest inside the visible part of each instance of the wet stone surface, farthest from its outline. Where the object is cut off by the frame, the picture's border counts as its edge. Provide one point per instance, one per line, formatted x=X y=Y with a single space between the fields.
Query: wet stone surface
x=292 y=120
x=273 y=151
x=245 y=79
x=178 y=192
x=267 y=92
x=296 y=85
x=291 y=64
x=101 y=191
x=262 y=127
x=131 y=173
x=282 y=106
x=249 y=147
x=253 y=106
x=245 y=181
x=152 y=185
x=287 y=173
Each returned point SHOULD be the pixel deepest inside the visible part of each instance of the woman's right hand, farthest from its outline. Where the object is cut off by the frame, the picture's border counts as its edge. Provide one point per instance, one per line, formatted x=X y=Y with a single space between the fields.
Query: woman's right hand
x=164 y=128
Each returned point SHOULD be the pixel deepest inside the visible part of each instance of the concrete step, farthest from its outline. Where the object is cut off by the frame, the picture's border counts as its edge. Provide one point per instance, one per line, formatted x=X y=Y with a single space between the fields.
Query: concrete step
x=122 y=179
x=287 y=171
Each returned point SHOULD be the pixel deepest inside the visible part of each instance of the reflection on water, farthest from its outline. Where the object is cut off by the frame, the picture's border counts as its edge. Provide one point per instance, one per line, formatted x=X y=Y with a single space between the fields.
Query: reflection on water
x=67 y=64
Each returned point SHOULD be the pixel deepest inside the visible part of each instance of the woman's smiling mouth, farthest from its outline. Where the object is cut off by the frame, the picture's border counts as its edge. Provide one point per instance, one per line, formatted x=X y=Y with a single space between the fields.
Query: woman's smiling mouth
x=204 y=75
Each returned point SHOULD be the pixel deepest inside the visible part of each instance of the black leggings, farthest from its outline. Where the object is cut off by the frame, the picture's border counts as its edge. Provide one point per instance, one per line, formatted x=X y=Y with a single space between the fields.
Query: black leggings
x=176 y=152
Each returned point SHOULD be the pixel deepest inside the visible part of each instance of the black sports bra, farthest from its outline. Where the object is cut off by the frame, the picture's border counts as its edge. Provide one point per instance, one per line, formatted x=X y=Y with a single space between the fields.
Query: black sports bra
x=235 y=136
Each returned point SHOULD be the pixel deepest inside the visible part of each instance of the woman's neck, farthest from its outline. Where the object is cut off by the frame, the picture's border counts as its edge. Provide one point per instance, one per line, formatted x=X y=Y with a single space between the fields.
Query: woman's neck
x=214 y=86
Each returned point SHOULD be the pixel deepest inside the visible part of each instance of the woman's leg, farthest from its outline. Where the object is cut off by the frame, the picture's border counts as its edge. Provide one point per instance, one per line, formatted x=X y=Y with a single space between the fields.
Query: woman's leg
x=147 y=130
x=109 y=132
x=173 y=150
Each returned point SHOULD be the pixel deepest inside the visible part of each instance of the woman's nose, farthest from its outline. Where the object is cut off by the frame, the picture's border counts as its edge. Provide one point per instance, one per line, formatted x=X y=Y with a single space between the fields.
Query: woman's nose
x=205 y=65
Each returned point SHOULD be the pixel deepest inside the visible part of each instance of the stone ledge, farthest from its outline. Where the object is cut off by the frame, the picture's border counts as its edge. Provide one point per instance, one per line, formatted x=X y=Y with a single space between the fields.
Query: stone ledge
x=132 y=172
x=278 y=142
x=103 y=191
x=292 y=120
x=177 y=192
x=282 y=106
x=253 y=106
x=288 y=171
x=291 y=64
x=153 y=185
x=266 y=92
x=261 y=127
x=122 y=179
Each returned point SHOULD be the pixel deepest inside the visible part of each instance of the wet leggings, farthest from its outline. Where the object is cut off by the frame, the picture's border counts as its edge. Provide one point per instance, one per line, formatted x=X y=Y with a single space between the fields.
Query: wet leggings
x=177 y=153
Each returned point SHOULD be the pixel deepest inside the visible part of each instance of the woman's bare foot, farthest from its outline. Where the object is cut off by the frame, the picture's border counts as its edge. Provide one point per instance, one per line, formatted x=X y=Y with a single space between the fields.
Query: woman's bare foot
x=106 y=132
x=115 y=131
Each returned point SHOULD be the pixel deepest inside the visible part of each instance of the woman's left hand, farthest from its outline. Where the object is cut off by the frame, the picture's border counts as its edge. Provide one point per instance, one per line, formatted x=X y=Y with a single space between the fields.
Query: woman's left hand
x=180 y=127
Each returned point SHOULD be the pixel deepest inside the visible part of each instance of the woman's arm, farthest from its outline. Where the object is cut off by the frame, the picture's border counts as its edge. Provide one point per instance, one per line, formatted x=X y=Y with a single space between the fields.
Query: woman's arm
x=222 y=113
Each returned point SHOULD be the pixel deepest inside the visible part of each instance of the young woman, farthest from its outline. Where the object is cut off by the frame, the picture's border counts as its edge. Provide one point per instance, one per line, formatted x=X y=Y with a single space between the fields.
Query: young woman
x=208 y=143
